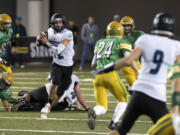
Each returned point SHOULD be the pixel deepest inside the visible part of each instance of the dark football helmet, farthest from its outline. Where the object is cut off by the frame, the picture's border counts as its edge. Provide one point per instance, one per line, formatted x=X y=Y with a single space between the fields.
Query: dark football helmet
x=58 y=18
x=164 y=24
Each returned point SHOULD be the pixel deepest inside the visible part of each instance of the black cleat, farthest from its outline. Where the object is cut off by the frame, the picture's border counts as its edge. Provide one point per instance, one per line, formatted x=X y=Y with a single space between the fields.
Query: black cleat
x=13 y=101
x=112 y=125
x=91 y=119
x=19 y=103
x=22 y=92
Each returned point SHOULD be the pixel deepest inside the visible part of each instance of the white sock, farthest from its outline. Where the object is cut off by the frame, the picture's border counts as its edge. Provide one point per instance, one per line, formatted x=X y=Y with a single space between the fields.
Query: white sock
x=99 y=110
x=120 y=108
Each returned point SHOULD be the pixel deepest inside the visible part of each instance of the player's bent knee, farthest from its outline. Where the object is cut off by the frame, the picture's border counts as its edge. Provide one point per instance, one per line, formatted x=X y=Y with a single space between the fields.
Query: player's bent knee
x=100 y=110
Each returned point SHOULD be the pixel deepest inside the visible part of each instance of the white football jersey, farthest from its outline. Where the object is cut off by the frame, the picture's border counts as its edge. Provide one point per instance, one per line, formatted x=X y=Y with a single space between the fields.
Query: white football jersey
x=69 y=94
x=66 y=56
x=158 y=53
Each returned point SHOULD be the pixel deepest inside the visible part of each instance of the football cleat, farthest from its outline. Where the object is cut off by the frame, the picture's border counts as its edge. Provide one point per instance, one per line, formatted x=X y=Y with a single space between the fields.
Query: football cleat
x=20 y=102
x=22 y=92
x=91 y=119
x=112 y=125
x=44 y=116
x=45 y=110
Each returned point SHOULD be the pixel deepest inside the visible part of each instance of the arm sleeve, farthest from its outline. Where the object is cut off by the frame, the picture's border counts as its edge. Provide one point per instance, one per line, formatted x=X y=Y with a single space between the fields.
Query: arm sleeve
x=139 y=42
x=97 y=33
x=68 y=36
x=83 y=36
x=125 y=47
x=93 y=60
x=178 y=49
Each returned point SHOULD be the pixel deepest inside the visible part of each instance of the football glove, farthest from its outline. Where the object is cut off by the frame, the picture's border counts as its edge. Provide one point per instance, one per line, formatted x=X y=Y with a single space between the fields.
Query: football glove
x=109 y=67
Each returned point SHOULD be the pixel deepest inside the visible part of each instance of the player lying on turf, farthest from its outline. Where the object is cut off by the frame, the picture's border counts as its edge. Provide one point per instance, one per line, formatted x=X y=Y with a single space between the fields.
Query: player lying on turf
x=36 y=99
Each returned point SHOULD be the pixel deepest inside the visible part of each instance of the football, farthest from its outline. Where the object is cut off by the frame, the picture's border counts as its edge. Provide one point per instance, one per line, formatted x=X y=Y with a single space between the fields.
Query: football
x=38 y=38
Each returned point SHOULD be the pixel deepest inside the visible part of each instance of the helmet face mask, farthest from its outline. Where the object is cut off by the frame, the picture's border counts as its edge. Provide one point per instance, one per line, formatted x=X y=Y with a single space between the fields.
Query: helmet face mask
x=128 y=24
x=58 y=22
x=58 y=26
x=128 y=29
x=114 y=29
x=5 y=22
x=6 y=26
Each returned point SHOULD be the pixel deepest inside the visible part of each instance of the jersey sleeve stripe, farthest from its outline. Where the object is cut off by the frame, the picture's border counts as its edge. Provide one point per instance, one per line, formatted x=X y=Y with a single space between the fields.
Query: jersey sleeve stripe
x=125 y=46
x=174 y=71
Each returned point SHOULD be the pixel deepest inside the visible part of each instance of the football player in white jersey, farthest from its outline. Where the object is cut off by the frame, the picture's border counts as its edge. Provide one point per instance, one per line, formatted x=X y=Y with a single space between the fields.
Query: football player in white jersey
x=60 y=41
x=158 y=51
x=169 y=124
x=36 y=98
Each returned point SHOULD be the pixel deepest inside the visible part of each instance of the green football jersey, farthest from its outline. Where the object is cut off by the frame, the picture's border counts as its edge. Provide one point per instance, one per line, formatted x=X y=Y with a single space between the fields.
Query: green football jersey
x=174 y=71
x=6 y=94
x=4 y=40
x=110 y=50
x=134 y=36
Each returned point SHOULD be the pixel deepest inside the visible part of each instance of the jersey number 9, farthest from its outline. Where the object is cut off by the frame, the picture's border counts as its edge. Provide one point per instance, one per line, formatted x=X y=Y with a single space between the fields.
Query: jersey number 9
x=157 y=59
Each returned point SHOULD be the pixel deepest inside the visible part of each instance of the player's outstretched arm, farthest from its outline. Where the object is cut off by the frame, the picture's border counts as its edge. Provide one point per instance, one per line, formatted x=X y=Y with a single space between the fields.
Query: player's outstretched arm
x=78 y=105
x=80 y=97
x=129 y=60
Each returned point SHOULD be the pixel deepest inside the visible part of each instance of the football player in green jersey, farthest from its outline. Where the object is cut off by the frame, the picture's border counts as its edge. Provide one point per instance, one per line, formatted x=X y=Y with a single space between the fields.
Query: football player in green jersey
x=129 y=29
x=5 y=32
x=6 y=78
x=132 y=35
x=106 y=51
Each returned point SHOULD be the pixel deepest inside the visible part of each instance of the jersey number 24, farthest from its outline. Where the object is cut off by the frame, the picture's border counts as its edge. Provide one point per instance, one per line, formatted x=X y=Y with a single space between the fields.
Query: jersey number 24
x=108 y=50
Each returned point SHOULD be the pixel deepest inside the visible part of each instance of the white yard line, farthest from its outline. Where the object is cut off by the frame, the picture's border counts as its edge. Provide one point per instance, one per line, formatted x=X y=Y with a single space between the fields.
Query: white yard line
x=28 y=78
x=64 y=119
x=30 y=73
x=24 y=88
x=31 y=88
x=52 y=131
x=59 y=131
x=92 y=95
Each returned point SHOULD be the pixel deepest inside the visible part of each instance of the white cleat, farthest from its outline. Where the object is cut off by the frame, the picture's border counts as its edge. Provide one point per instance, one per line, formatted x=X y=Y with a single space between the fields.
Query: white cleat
x=44 y=116
x=45 y=110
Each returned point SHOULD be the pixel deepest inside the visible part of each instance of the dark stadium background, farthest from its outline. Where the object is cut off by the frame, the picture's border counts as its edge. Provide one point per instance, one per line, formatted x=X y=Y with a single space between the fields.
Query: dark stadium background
x=142 y=11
